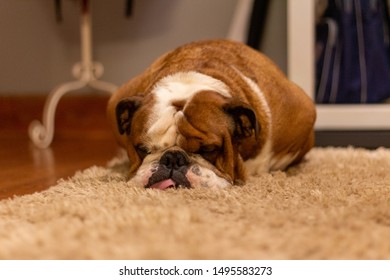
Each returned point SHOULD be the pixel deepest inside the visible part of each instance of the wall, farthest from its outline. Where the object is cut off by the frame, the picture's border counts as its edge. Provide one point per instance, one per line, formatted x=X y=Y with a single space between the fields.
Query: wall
x=36 y=53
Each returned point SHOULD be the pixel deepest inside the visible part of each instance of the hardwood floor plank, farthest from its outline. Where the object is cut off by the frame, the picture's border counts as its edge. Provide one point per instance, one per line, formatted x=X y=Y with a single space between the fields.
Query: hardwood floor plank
x=82 y=139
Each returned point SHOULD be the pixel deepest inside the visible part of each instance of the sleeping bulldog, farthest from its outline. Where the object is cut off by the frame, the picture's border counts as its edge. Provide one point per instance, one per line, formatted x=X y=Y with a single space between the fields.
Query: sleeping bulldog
x=209 y=114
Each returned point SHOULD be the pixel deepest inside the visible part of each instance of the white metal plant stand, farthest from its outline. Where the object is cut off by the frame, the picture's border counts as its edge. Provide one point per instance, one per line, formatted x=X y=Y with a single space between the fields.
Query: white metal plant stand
x=86 y=72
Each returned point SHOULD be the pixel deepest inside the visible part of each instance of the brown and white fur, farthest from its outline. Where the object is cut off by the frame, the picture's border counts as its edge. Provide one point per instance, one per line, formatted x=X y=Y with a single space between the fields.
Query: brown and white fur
x=210 y=113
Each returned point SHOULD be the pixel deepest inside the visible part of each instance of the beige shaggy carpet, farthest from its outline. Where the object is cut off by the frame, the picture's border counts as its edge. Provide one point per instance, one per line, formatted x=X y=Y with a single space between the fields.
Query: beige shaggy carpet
x=336 y=205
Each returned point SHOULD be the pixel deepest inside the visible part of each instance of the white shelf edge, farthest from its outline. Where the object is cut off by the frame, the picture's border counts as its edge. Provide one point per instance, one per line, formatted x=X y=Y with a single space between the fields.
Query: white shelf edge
x=353 y=117
x=300 y=44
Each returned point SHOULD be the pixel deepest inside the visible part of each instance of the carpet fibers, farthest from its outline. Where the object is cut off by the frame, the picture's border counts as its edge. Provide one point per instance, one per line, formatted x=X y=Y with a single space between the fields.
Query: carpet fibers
x=335 y=205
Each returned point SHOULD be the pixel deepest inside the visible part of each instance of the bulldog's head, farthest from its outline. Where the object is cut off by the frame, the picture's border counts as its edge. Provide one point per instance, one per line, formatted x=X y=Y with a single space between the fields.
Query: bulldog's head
x=199 y=141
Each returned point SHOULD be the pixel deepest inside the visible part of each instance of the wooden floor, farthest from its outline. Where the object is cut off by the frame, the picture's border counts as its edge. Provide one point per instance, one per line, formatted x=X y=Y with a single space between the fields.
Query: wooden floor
x=82 y=139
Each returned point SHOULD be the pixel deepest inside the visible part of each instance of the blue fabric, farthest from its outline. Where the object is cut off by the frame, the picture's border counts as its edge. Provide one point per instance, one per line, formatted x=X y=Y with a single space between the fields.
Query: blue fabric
x=353 y=63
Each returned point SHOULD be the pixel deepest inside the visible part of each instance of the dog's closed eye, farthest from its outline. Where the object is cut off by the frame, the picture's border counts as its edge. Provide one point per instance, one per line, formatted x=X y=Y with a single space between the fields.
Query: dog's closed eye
x=209 y=152
x=142 y=151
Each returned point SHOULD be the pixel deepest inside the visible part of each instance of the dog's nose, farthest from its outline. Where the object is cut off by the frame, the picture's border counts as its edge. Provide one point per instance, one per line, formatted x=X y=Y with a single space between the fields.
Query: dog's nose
x=173 y=160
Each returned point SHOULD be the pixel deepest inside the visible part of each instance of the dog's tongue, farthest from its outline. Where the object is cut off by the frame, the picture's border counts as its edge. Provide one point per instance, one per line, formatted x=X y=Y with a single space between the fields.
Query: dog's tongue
x=163 y=184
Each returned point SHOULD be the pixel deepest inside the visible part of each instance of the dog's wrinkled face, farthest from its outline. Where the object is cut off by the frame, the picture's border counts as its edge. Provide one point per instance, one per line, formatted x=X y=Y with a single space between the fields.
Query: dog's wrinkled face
x=192 y=142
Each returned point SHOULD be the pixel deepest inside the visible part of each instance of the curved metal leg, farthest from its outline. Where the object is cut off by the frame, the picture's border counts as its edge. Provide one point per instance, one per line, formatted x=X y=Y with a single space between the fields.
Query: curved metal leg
x=85 y=71
x=42 y=133
x=104 y=86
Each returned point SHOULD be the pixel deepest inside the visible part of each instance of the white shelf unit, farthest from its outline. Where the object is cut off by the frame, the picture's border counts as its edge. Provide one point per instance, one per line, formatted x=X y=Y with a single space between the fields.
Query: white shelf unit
x=301 y=70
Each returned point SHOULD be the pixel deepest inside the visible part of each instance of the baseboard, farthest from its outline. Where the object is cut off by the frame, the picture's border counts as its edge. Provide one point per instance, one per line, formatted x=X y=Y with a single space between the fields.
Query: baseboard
x=365 y=139
x=76 y=114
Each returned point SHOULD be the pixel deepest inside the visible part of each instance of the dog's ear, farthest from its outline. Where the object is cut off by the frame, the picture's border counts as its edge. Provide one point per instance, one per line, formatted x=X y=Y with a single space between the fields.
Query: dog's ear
x=246 y=124
x=125 y=110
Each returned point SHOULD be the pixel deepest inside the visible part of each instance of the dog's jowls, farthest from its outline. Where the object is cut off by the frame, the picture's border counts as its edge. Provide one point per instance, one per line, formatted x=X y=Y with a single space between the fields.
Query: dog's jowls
x=210 y=114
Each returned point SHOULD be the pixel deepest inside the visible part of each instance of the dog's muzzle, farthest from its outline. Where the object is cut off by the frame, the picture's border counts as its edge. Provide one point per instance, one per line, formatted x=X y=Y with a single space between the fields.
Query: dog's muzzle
x=171 y=171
